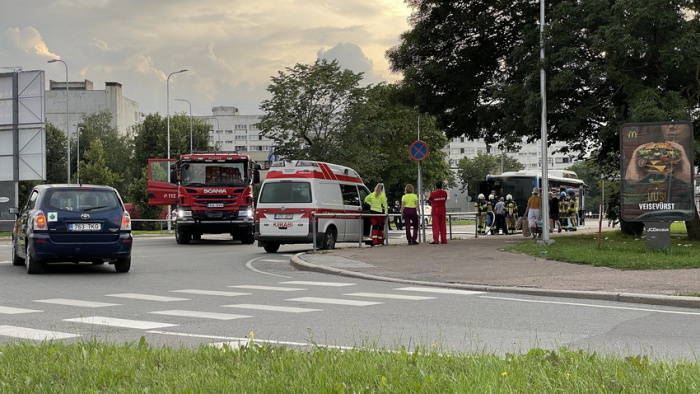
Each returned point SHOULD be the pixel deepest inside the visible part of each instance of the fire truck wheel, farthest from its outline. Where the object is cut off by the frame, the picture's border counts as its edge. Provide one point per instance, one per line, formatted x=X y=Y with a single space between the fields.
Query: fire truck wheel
x=329 y=239
x=182 y=237
x=248 y=238
x=272 y=247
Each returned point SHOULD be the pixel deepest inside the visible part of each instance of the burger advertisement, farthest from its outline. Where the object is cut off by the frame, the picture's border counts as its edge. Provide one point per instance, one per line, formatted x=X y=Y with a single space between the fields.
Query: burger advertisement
x=656 y=168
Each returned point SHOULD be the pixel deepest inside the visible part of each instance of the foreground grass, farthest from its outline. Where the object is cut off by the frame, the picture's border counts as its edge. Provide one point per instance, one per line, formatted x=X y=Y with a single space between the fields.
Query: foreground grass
x=139 y=368
x=617 y=251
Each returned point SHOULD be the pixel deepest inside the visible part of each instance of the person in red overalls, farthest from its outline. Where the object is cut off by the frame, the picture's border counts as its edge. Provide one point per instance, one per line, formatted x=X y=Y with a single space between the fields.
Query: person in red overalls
x=438 y=200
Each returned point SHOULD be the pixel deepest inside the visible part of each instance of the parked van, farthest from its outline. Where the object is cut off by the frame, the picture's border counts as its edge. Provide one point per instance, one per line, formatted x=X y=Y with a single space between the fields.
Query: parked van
x=294 y=189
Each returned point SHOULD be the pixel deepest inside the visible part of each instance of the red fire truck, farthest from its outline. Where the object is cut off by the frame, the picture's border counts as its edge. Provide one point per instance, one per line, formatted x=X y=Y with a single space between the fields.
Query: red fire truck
x=209 y=193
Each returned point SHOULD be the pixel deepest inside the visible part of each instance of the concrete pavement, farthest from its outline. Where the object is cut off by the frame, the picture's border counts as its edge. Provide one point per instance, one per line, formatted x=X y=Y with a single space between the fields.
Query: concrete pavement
x=480 y=264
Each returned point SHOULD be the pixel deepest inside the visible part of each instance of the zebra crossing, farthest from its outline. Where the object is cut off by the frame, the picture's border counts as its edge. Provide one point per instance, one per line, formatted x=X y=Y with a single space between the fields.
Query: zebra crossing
x=309 y=304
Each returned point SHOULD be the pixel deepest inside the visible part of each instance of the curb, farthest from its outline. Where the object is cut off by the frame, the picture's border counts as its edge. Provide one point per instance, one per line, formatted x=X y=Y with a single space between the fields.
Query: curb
x=649 y=299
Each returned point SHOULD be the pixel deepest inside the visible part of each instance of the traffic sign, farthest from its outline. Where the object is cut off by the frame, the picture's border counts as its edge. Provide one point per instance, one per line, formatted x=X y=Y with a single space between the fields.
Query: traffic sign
x=418 y=150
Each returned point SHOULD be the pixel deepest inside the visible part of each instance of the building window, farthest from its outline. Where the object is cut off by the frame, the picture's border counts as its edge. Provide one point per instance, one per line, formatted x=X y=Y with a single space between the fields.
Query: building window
x=240 y=148
x=240 y=138
x=254 y=137
x=253 y=126
x=240 y=127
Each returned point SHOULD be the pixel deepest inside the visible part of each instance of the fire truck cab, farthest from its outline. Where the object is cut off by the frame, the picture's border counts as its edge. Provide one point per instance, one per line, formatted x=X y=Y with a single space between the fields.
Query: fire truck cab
x=210 y=193
x=293 y=190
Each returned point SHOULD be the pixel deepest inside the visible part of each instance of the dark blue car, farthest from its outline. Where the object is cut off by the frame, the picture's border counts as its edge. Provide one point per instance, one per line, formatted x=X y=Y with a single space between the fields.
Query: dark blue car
x=72 y=223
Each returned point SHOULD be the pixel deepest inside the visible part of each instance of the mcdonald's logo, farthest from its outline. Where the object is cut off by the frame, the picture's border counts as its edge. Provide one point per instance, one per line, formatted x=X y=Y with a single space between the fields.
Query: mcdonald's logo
x=632 y=134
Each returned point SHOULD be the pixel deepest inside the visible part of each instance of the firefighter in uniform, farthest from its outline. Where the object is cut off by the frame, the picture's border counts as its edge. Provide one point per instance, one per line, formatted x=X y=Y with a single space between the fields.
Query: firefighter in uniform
x=483 y=207
x=573 y=209
x=511 y=214
x=564 y=211
x=377 y=205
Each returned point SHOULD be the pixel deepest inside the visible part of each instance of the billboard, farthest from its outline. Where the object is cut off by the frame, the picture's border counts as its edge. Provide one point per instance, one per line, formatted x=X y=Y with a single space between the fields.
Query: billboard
x=656 y=167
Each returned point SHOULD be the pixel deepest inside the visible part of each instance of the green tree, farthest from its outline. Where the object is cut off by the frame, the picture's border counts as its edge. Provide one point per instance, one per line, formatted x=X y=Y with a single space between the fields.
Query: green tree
x=94 y=170
x=117 y=148
x=309 y=108
x=475 y=65
x=472 y=171
x=56 y=171
x=378 y=136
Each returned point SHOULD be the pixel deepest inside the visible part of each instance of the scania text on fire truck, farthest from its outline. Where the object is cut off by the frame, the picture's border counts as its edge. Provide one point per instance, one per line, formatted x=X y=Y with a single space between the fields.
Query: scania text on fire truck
x=210 y=192
x=292 y=190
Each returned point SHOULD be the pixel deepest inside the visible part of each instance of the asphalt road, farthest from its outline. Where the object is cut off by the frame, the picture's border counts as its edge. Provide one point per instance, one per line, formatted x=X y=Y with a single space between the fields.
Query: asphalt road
x=221 y=292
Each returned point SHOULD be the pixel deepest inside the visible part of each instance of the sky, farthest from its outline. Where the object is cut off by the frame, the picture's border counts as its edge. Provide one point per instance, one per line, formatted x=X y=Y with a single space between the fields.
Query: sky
x=231 y=48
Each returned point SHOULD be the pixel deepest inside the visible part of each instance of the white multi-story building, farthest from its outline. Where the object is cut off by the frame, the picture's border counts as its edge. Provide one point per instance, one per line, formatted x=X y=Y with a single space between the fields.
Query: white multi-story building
x=84 y=100
x=232 y=131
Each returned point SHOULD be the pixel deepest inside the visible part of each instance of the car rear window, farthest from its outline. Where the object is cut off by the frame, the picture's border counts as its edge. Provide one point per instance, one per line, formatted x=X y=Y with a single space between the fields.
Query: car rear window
x=286 y=192
x=83 y=200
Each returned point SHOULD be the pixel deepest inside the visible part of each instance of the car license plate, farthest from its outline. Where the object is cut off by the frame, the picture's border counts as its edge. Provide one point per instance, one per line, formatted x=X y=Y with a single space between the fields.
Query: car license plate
x=215 y=205
x=85 y=227
x=287 y=216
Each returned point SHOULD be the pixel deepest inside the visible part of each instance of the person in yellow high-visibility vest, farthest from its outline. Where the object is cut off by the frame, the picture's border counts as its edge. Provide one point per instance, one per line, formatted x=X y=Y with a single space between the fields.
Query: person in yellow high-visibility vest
x=377 y=205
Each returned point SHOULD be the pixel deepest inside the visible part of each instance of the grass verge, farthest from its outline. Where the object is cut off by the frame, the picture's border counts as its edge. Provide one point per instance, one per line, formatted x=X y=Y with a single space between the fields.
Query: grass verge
x=94 y=367
x=617 y=251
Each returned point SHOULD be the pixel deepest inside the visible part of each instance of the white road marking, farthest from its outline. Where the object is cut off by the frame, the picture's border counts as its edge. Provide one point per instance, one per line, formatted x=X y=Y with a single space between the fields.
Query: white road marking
x=147 y=297
x=392 y=296
x=239 y=342
x=595 y=306
x=249 y=265
x=272 y=308
x=273 y=288
x=87 y=304
x=439 y=290
x=30 y=333
x=205 y=315
x=335 y=301
x=125 y=323
x=327 y=284
x=210 y=292
x=274 y=261
x=8 y=310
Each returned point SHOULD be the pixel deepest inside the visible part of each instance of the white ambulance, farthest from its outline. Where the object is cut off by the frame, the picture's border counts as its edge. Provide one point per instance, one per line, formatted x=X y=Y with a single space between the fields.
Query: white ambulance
x=293 y=190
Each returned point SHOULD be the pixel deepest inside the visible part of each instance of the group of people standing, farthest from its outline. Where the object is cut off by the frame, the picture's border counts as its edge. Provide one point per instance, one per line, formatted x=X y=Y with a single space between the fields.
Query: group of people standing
x=563 y=210
x=409 y=210
x=498 y=213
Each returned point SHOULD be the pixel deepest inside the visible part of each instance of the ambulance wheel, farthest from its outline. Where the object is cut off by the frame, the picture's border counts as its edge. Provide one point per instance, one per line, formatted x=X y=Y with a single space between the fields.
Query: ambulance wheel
x=272 y=247
x=329 y=239
x=182 y=237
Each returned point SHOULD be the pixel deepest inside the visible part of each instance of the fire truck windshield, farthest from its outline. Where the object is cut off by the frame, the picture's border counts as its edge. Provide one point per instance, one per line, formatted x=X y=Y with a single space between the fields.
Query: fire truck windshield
x=213 y=174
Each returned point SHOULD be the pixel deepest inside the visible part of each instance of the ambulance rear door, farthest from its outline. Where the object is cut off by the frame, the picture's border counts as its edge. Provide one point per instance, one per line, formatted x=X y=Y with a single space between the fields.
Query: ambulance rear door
x=285 y=208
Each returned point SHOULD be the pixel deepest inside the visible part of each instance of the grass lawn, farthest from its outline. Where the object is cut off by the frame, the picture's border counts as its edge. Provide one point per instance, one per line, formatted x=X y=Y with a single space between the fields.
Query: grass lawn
x=89 y=367
x=617 y=251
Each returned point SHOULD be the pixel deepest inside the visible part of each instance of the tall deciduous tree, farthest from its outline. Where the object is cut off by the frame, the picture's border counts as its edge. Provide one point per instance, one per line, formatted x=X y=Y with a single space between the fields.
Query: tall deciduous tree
x=94 y=169
x=309 y=108
x=475 y=65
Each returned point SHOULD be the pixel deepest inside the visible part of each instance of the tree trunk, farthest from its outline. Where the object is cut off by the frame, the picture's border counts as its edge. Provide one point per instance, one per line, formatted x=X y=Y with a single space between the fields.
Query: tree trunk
x=693 y=226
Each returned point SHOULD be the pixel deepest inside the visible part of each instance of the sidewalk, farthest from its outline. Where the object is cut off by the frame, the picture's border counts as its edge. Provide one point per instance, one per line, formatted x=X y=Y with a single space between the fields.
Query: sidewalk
x=480 y=264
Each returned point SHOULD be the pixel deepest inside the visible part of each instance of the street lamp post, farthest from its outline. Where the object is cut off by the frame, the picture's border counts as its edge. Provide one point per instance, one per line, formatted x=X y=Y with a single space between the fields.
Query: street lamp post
x=190 y=104
x=167 y=109
x=67 y=121
x=77 y=161
x=167 y=115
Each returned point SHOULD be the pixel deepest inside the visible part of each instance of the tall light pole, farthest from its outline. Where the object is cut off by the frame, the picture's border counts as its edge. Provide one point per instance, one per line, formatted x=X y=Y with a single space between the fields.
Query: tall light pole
x=167 y=106
x=543 y=137
x=77 y=161
x=190 y=104
x=67 y=121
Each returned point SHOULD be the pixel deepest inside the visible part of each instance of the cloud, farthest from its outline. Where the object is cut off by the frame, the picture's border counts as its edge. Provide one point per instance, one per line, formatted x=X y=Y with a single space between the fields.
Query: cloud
x=351 y=57
x=26 y=40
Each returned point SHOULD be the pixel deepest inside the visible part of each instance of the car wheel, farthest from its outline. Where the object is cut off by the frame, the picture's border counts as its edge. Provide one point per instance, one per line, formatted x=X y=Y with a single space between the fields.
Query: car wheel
x=123 y=265
x=16 y=260
x=182 y=237
x=272 y=247
x=329 y=239
x=248 y=238
x=33 y=266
